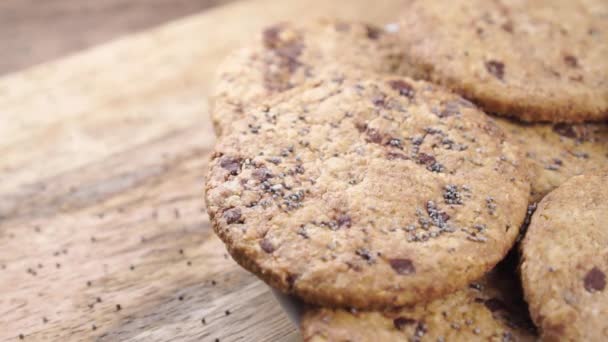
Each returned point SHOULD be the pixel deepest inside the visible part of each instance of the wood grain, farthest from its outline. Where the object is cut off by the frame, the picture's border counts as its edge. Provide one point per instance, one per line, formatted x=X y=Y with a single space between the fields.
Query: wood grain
x=35 y=31
x=103 y=233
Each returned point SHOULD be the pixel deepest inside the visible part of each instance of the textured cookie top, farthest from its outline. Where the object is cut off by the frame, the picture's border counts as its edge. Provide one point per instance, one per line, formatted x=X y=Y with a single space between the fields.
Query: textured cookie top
x=559 y=151
x=367 y=192
x=285 y=55
x=490 y=309
x=542 y=60
x=565 y=261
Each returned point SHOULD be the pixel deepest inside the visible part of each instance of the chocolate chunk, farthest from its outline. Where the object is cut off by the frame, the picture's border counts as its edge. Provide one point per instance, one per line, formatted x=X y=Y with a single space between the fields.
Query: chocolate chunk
x=344 y=221
x=233 y=165
x=571 y=61
x=404 y=88
x=495 y=304
x=595 y=280
x=267 y=246
x=233 y=216
x=496 y=68
x=401 y=322
x=402 y=266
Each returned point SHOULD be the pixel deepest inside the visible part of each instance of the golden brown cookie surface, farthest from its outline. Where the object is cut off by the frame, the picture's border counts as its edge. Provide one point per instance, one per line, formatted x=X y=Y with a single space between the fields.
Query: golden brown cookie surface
x=490 y=309
x=565 y=261
x=539 y=60
x=367 y=192
x=286 y=55
x=556 y=152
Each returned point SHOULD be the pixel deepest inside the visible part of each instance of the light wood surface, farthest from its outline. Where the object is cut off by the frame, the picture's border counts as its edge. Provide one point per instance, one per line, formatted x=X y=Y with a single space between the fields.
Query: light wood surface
x=35 y=31
x=103 y=234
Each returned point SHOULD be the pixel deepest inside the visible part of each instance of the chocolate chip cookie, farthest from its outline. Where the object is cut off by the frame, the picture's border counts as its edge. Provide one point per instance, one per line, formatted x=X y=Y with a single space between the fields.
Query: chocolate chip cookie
x=556 y=152
x=491 y=309
x=565 y=261
x=539 y=60
x=367 y=192
x=285 y=55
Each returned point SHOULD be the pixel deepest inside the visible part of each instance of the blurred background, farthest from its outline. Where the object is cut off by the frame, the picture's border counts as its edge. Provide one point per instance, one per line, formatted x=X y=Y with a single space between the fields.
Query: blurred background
x=35 y=31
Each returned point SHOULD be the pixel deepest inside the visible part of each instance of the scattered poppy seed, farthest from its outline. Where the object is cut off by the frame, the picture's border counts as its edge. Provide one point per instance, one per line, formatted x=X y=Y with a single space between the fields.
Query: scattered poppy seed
x=180 y=297
x=203 y=321
x=44 y=320
x=189 y=263
x=118 y=307
x=94 y=327
x=21 y=337
x=93 y=239
x=98 y=300
x=39 y=265
x=58 y=265
x=89 y=283
x=217 y=340
x=227 y=312
x=213 y=282
x=181 y=251
x=132 y=267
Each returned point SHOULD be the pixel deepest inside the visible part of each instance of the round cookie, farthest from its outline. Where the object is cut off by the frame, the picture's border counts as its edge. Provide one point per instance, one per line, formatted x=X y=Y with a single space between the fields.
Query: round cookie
x=565 y=261
x=285 y=55
x=491 y=309
x=542 y=60
x=556 y=152
x=367 y=192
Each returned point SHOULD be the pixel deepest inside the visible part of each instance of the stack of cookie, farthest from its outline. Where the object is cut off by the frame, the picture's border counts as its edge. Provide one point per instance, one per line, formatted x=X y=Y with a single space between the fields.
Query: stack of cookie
x=373 y=173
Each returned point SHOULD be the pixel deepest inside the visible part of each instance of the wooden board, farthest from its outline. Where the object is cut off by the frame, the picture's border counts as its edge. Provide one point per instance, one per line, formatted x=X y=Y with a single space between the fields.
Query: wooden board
x=103 y=232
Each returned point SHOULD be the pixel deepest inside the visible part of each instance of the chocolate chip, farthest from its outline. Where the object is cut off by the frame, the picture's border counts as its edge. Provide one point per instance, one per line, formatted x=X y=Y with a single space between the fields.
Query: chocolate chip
x=571 y=61
x=373 y=32
x=404 y=88
x=374 y=136
x=272 y=36
x=426 y=159
x=233 y=216
x=495 y=304
x=261 y=174
x=267 y=246
x=378 y=101
x=344 y=221
x=565 y=130
x=365 y=254
x=402 y=266
x=595 y=280
x=401 y=322
x=233 y=165
x=496 y=68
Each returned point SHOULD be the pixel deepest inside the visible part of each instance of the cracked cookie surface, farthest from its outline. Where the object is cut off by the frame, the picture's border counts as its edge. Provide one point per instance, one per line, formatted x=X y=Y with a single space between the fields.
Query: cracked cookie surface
x=285 y=55
x=539 y=60
x=565 y=261
x=367 y=192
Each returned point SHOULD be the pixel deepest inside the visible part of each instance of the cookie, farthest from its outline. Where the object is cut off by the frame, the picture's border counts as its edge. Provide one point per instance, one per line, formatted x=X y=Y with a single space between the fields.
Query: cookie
x=541 y=60
x=285 y=55
x=491 y=309
x=565 y=261
x=367 y=192
x=556 y=152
